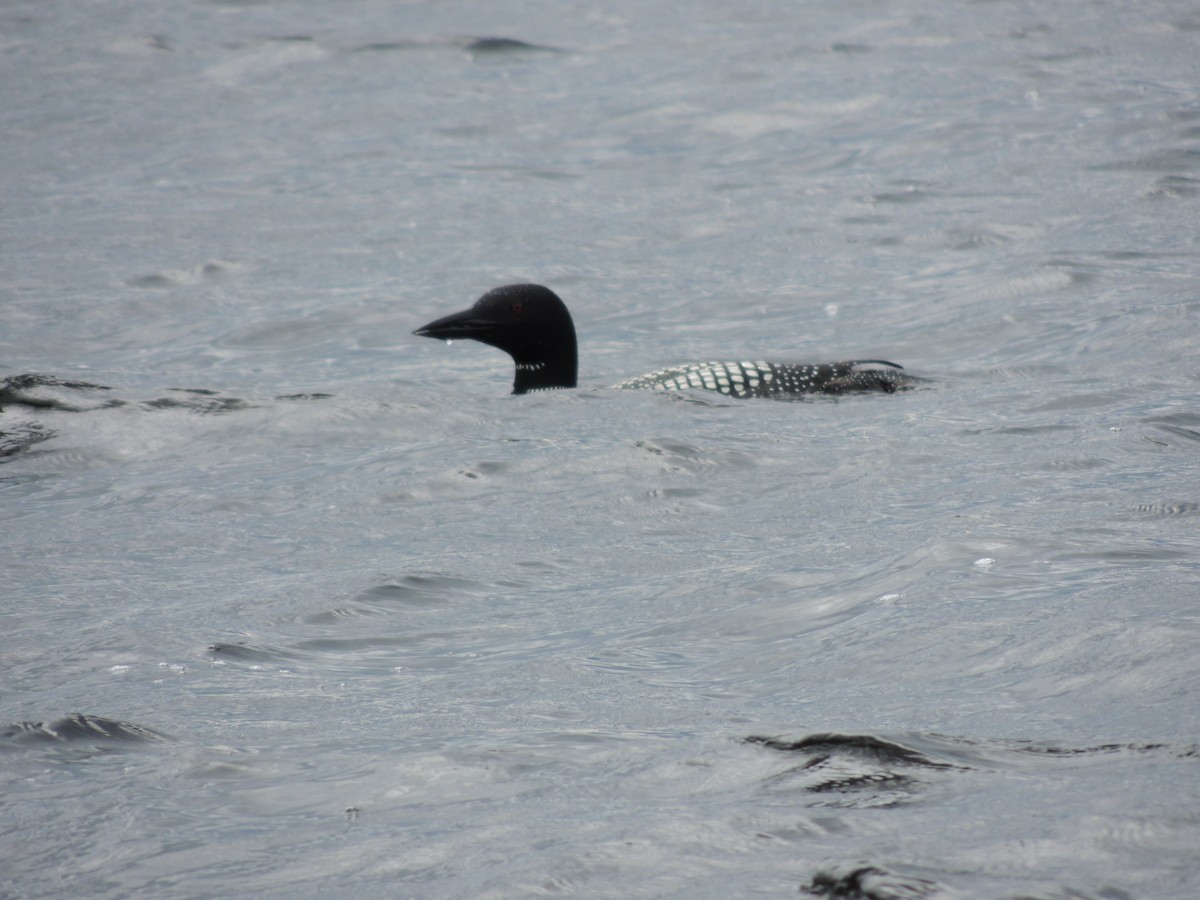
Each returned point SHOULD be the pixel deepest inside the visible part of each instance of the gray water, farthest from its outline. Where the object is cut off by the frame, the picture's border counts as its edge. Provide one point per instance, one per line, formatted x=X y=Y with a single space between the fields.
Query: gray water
x=299 y=605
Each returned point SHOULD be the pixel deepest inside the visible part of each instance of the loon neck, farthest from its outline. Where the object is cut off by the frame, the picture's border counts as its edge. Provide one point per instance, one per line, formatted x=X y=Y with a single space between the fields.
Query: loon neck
x=546 y=366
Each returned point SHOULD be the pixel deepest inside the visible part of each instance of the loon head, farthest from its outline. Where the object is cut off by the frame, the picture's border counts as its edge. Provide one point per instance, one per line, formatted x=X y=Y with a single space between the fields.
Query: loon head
x=528 y=322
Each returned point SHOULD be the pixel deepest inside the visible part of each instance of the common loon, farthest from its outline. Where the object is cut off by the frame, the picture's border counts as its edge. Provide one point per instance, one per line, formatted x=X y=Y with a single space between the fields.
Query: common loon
x=532 y=325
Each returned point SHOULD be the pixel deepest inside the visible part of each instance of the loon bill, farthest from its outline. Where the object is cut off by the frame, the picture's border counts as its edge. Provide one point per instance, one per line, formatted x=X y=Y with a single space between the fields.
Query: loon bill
x=532 y=325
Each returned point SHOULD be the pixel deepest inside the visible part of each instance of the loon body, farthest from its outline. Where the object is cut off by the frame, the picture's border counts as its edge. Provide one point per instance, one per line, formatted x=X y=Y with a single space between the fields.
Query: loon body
x=532 y=325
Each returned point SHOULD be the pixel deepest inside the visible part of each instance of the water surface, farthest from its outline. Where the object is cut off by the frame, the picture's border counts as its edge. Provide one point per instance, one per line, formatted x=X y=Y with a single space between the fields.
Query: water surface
x=298 y=604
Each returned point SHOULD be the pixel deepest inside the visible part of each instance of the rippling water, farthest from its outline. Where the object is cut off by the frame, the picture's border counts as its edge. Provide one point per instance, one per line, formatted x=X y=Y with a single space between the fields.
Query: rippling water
x=300 y=605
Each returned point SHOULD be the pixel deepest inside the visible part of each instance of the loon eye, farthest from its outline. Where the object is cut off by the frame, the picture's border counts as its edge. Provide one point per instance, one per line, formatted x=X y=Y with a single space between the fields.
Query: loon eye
x=516 y=309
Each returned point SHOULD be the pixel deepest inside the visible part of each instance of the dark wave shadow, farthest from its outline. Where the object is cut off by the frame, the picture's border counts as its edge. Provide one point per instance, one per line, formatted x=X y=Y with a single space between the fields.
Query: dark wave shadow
x=21 y=436
x=846 y=763
x=255 y=654
x=80 y=729
x=859 y=771
x=486 y=46
x=1174 y=428
x=502 y=45
x=869 y=883
x=48 y=393
x=853 y=770
x=861 y=745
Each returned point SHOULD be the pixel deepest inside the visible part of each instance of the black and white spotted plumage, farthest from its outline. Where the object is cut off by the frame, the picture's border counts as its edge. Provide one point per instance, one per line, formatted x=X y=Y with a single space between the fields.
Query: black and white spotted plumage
x=532 y=324
x=769 y=379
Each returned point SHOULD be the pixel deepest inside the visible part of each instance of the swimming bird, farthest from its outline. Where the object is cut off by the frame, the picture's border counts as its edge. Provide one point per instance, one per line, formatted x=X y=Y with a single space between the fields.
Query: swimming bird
x=531 y=323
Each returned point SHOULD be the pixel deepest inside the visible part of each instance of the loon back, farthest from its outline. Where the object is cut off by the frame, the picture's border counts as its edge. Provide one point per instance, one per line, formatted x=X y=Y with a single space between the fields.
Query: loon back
x=532 y=325
x=769 y=379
